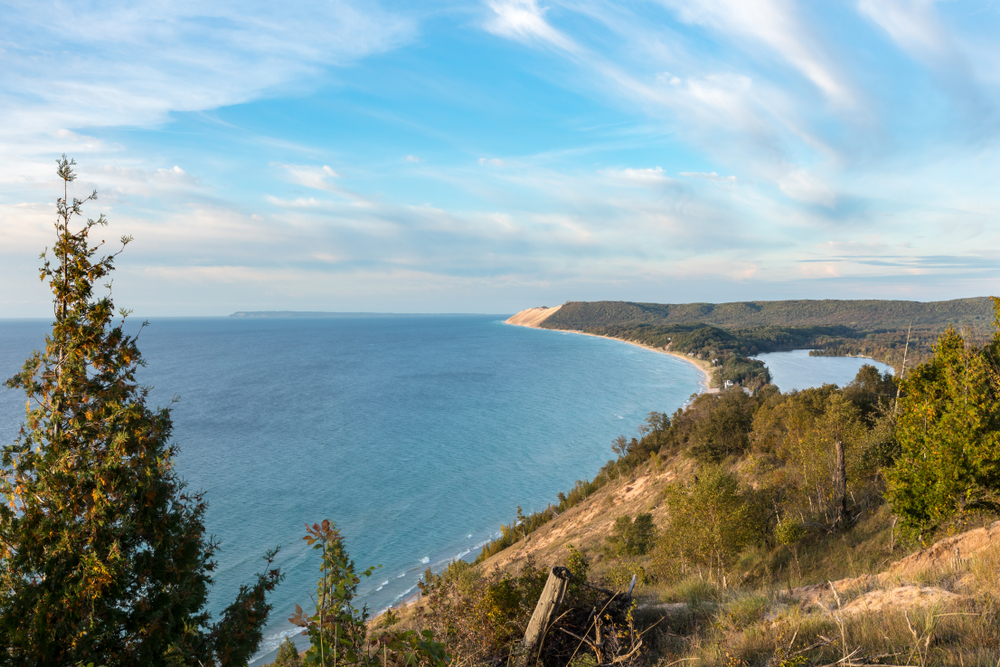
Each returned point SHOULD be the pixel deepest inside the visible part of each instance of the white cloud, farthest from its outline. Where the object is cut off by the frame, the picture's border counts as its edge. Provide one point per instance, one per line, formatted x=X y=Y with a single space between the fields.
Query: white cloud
x=524 y=20
x=651 y=176
x=775 y=24
x=492 y=162
x=134 y=63
x=321 y=178
x=300 y=202
x=712 y=176
x=912 y=24
x=114 y=176
x=412 y=158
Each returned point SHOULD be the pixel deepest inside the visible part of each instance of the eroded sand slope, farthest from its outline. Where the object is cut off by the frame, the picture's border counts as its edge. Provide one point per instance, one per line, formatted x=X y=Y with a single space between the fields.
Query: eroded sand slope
x=532 y=317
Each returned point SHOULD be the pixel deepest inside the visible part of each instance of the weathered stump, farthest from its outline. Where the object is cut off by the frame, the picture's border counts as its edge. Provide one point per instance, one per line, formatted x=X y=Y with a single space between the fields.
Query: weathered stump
x=546 y=610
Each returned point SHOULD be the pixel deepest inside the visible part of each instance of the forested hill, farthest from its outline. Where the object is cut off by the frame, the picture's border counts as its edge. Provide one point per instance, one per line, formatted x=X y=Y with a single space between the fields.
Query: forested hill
x=727 y=334
x=866 y=314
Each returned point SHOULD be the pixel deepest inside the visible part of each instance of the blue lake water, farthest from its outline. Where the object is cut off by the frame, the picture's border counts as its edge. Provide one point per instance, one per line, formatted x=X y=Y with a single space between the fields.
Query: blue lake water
x=797 y=370
x=417 y=435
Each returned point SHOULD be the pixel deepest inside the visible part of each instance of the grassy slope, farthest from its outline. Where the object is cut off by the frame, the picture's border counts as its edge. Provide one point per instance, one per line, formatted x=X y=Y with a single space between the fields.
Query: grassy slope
x=778 y=606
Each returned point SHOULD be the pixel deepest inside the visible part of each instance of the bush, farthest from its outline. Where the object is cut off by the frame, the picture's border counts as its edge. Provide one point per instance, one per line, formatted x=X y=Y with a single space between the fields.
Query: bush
x=632 y=538
x=711 y=521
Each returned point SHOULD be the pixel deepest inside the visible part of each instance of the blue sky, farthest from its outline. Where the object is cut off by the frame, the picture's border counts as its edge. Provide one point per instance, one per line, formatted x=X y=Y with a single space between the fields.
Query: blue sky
x=492 y=156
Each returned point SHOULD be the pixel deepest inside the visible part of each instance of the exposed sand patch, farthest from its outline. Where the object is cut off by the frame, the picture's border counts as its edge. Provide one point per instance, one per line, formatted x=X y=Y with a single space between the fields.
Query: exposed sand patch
x=874 y=592
x=904 y=596
x=948 y=552
x=588 y=524
x=532 y=317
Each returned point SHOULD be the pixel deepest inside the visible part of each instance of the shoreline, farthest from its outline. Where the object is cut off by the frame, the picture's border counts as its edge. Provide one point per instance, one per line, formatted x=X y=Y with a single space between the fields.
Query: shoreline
x=535 y=318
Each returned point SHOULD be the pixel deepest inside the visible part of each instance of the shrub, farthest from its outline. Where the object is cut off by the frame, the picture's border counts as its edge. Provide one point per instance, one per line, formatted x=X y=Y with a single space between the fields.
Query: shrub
x=632 y=538
x=710 y=522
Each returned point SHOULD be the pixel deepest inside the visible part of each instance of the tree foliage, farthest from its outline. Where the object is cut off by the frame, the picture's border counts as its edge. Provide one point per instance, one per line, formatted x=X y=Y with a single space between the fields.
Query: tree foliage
x=632 y=537
x=710 y=522
x=949 y=436
x=338 y=631
x=103 y=554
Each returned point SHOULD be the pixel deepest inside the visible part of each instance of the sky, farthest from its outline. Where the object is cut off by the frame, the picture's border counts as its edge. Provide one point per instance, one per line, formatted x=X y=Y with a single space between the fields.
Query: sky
x=492 y=156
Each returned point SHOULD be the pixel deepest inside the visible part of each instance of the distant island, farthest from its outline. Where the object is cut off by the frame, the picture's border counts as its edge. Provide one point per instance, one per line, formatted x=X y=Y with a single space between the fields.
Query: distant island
x=726 y=335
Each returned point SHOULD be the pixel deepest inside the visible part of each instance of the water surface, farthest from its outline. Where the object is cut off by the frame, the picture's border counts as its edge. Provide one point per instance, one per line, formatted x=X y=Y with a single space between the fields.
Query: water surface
x=417 y=435
x=797 y=370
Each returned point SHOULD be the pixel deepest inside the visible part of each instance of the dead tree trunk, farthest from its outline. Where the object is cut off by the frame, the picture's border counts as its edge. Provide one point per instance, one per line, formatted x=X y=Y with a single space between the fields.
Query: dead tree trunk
x=840 y=480
x=546 y=610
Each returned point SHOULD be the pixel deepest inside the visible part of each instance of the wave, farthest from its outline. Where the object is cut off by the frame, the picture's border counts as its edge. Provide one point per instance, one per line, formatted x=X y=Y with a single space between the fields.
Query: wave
x=271 y=642
x=425 y=560
x=405 y=593
x=382 y=585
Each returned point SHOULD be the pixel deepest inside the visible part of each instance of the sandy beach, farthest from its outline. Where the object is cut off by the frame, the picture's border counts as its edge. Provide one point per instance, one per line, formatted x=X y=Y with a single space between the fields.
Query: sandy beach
x=533 y=317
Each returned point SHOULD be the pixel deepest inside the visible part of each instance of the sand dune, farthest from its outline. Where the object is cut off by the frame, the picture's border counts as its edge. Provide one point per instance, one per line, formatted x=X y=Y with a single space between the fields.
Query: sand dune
x=532 y=317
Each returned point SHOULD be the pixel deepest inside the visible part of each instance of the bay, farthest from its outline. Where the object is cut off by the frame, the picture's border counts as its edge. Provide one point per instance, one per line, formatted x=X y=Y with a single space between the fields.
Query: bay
x=417 y=435
x=797 y=370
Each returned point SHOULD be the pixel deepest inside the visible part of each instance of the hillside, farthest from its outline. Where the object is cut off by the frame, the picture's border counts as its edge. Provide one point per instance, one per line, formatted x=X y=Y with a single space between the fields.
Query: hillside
x=869 y=314
x=765 y=529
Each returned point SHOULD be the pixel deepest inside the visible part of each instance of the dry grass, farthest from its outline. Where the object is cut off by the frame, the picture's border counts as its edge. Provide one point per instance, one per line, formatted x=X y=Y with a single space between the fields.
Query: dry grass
x=768 y=627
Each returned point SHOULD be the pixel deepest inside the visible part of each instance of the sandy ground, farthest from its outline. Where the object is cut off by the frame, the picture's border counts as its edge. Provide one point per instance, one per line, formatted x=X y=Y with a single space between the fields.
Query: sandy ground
x=532 y=317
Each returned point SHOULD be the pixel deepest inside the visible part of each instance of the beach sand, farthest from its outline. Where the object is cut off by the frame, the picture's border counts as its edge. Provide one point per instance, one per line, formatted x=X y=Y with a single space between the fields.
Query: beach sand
x=533 y=317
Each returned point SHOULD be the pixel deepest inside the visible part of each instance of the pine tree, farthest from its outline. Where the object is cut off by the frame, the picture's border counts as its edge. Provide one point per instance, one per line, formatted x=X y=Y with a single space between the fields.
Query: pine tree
x=103 y=554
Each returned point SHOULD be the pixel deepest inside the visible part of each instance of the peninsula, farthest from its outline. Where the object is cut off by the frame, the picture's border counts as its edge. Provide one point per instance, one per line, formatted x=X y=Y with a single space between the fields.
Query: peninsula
x=535 y=317
x=722 y=337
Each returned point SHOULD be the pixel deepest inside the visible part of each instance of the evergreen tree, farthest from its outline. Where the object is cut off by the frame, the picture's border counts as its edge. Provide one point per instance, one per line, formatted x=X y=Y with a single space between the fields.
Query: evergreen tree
x=288 y=655
x=949 y=436
x=103 y=555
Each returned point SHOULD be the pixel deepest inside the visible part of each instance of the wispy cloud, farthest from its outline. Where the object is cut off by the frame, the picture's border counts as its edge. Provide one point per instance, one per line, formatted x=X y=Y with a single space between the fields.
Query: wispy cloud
x=648 y=176
x=524 y=20
x=711 y=176
x=132 y=65
x=322 y=178
x=803 y=186
x=776 y=25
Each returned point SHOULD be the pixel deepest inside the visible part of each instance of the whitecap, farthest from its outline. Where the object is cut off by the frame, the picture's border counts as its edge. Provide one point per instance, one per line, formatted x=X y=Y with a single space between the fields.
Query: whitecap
x=404 y=593
x=425 y=560
x=273 y=641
